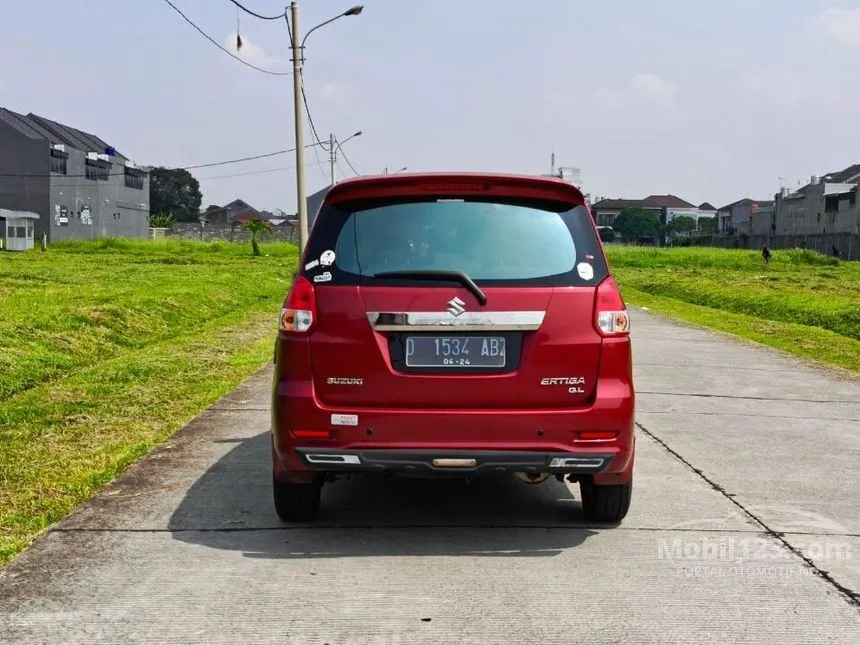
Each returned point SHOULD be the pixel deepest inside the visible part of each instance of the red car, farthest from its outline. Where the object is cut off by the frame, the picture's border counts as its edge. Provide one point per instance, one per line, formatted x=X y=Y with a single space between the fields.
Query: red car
x=454 y=324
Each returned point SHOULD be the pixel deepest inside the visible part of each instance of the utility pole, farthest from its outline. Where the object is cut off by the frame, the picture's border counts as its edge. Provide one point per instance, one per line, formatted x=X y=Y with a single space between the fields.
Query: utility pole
x=332 y=159
x=301 y=200
x=298 y=46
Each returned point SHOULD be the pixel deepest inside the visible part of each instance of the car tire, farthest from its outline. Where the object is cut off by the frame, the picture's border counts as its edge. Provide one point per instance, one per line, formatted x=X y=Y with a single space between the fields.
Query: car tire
x=608 y=503
x=296 y=502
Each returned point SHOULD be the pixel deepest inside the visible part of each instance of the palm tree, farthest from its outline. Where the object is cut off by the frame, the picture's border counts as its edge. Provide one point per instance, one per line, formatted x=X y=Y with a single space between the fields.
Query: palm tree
x=257 y=227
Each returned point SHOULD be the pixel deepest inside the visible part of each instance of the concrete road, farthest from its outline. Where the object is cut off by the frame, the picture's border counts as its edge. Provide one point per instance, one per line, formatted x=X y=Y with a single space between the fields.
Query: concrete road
x=745 y=528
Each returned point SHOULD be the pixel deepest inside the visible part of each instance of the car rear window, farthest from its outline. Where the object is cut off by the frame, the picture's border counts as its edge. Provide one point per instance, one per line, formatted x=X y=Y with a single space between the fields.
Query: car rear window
x=511 y=243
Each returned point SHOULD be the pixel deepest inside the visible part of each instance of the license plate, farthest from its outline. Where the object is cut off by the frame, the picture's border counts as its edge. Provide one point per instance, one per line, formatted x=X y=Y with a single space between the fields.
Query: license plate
x=455 y=351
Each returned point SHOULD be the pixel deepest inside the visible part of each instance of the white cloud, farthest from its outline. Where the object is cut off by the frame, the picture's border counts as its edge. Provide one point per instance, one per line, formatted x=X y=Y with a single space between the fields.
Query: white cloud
x=838 y=25
x=650 y=88
x=642 y=94
x=250 y=52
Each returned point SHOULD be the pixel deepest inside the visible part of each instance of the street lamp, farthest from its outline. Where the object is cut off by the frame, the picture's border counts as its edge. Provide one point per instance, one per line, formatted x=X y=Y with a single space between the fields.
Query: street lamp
x=298 y=60
x=333 y=145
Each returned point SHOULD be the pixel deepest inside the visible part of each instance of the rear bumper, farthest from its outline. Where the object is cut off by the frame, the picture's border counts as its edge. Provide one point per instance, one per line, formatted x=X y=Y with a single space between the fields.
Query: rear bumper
x=409 y=440
x=429 y=462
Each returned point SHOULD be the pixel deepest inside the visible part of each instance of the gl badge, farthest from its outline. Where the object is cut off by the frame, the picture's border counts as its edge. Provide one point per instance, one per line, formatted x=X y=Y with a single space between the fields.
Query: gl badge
x=575 y=384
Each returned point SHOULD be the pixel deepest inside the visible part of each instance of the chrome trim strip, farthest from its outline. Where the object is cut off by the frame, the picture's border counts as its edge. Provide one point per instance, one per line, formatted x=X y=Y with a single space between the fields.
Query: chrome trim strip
x=333 y=459
x=575 y=462
x=466 y=321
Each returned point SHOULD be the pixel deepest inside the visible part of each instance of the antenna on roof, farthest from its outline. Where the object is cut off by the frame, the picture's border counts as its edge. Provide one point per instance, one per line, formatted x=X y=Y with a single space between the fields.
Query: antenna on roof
x=552 y=162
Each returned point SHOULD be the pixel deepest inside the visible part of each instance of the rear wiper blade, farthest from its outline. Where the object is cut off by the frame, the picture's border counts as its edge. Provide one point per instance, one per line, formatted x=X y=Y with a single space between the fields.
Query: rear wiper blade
x=427 y=274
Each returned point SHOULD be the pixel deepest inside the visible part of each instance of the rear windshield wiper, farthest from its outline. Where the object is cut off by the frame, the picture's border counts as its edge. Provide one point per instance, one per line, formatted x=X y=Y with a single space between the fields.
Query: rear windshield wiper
x=427 y=274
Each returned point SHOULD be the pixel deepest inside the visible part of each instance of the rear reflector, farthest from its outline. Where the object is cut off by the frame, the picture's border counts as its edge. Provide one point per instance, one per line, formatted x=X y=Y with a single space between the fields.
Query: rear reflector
x=595 y=435
x=311 y=434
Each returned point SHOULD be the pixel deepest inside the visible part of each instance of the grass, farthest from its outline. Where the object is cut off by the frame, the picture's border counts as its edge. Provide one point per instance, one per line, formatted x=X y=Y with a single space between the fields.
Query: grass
x=107 y=348
x=802 y=302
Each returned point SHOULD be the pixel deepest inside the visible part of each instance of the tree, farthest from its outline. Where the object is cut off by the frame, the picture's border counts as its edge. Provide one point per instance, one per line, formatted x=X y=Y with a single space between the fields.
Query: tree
x=257 y=227
x=174 y=190
x=636 y=224
x=681 y=224
x=606 y=233
x=708 y=225
x=161 y=220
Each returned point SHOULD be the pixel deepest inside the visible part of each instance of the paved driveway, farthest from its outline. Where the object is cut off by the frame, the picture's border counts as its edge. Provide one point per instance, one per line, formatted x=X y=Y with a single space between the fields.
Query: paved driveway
x=745 y=528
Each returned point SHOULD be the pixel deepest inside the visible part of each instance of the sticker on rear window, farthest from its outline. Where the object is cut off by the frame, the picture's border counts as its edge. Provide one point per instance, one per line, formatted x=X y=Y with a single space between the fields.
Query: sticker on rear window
x=323 y=277
x=327 y=258
x=585 y=270
x=344 y=419
x=313 y=264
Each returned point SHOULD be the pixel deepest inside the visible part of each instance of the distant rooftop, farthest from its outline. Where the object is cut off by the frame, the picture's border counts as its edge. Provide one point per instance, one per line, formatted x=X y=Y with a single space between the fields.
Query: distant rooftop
x=850 y=175
x=620 y=204
x=669 y=201
x=37 y=127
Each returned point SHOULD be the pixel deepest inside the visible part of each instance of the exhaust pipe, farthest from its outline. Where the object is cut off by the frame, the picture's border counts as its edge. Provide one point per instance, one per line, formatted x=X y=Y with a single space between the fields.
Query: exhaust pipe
x=532 y=478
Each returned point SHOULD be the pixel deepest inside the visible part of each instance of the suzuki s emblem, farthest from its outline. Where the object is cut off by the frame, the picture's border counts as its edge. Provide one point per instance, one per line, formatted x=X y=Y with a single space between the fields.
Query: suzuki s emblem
x=456 y=307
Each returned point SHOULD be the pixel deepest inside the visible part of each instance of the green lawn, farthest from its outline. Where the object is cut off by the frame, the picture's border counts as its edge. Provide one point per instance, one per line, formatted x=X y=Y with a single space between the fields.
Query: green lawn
x=802 y=302
x=107 y=348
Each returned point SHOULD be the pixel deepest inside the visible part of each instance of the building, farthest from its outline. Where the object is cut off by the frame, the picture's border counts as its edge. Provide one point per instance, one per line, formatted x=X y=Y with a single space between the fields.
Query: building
x=737 y=217
x=313 y=203
x=707 y=219
x=672 y=207
x=824 y=206
x=762 y=218
x=80 y=186
x=569 y=174
x=229 y=213
x=706 y=210
x=605 y=211
x=18 y=229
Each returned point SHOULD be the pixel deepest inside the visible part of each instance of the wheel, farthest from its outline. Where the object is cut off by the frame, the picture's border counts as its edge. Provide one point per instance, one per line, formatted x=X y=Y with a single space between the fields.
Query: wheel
x=608 y=503
x=296 y=502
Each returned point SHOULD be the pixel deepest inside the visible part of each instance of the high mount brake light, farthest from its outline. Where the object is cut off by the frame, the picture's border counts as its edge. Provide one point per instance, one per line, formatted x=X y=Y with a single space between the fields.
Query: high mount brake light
x=610 y=313
x=300 y=310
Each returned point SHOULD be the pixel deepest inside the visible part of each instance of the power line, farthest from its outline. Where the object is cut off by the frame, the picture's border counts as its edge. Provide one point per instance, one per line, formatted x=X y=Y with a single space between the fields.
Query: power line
x=224 y=49
x=346 y=159
x=308 y=112
x=194 y=167
x=57 y=181
x=254 y=172
x=314 y=132
x=256 y=15
x=241 y=159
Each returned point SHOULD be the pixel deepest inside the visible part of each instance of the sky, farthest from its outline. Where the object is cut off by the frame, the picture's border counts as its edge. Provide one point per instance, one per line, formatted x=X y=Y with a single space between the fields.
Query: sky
x=710 y=100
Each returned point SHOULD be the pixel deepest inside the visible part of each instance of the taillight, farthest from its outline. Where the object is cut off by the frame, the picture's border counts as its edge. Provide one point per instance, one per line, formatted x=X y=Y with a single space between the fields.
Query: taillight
x=300 y=310
x=610 y=312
